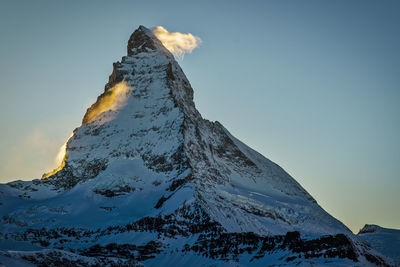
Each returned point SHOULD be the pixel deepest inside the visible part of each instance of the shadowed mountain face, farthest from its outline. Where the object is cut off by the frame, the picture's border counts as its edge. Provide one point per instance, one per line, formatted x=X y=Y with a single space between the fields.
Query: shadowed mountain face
x=147 y=181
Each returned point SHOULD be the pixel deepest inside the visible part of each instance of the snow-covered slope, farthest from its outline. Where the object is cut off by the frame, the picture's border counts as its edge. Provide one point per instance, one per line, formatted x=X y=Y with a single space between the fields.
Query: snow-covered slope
x=146 y=180
x=384 y=240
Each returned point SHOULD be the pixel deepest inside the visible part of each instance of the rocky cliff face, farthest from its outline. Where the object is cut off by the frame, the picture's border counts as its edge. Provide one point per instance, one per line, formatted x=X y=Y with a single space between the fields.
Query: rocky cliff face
x=146 y=180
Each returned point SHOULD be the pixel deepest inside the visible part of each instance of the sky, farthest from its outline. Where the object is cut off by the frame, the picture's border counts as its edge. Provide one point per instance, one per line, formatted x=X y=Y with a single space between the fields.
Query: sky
x=312 y=85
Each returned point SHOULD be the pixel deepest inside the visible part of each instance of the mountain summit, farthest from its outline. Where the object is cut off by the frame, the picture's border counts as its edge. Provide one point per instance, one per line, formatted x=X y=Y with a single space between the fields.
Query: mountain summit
x=147 y=181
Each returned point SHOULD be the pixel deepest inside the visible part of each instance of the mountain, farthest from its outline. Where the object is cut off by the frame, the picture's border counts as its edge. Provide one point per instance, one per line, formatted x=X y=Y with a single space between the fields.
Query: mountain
x=384 y=240
x=146 y=181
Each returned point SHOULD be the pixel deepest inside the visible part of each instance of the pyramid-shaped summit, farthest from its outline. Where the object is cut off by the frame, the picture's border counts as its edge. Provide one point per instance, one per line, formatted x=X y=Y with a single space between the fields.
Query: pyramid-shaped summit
x=147 y=181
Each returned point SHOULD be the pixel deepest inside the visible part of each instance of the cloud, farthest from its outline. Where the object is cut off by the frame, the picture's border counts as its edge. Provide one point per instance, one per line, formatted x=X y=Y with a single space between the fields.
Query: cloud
x=61 y=152
x=59 y=159
x=32 y=154
x=177 y=43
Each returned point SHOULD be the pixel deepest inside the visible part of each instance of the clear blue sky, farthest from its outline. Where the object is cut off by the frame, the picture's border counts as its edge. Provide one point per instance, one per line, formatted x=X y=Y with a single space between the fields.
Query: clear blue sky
x=312 y=85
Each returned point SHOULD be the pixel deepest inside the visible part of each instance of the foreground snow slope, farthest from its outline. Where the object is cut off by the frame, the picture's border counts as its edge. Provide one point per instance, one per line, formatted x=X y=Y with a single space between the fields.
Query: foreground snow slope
x=384 y=240
x=146 y=180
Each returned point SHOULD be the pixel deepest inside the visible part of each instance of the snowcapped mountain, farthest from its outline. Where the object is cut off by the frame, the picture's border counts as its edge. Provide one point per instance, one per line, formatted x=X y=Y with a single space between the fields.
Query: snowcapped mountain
x=147 y=181
x=384 y=240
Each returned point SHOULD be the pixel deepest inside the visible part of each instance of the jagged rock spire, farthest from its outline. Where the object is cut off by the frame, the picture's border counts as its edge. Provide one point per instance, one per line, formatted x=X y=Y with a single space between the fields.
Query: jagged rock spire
x=143 y=40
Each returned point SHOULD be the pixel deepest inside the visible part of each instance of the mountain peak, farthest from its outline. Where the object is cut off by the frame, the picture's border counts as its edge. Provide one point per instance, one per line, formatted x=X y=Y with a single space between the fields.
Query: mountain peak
x=145 y=167
x=369 y=228
x=143 y=40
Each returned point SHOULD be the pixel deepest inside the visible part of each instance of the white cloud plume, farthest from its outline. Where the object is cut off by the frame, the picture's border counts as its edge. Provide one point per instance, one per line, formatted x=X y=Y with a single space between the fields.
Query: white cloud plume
x=177 y=43
x=61 y=152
